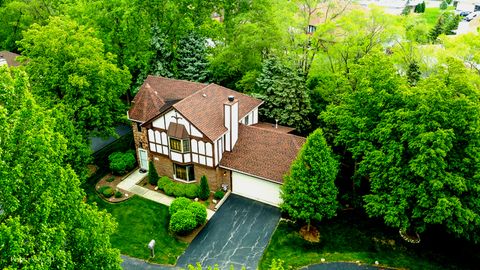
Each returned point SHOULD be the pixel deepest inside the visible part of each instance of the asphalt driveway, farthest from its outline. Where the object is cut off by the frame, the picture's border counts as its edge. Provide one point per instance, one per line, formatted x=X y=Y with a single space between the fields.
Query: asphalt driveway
x=237 y=235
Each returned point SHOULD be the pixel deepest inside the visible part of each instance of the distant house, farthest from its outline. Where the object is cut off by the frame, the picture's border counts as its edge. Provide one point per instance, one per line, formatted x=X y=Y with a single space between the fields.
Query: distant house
x=192 y=129
x=467 y=5
x=9 y=58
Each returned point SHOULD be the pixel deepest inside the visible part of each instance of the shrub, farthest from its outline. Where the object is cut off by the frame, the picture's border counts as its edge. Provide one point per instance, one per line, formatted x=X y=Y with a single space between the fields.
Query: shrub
x=121 y=163
x=218 y=195
x=169 y=188
x=191 y=191
x=106 y=191
x=179 y=204
x=182 y=222
x=118 y=194
x=163 y=181
x=199 y=211
x=204 y=190
x=110 y=179
x=152 y=174
x=179 y=190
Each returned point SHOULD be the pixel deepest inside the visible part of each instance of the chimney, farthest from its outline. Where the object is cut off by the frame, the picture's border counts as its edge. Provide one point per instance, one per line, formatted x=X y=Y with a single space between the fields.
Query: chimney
x=230 y=115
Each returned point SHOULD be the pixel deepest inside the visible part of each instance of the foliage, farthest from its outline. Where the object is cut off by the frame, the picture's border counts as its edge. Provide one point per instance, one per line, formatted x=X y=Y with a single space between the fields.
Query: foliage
x=179 y=189
x=420 y=8
x=191 y=191
x=404 y=145
x=413 y=73
x=163 y=181
x=443 y=5
x=152 y=174
x=111 y=179
x=163 y=57
x=179 y=204
x=182 y=222
x=169 y=188
x=121 y=163
x=106 y=191
x=45 y=221
x=192 y=63
x=118 y=194
x=198 y=266
x=204 y=190
x=277 y=265
x=309 y=192
x=446 y=23
x=285 y=95
x=218 y=195
x=75 y=73
x=199 y=211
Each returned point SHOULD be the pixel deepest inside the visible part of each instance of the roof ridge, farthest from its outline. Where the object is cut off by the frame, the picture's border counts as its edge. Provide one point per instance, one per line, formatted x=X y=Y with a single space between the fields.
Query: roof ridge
x=272 y=131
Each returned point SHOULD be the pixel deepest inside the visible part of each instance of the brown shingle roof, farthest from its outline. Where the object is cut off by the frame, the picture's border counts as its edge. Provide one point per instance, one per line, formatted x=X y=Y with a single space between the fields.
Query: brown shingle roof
x=263 y=153
x=204 y=109
x=158 y=94
x=10 y=57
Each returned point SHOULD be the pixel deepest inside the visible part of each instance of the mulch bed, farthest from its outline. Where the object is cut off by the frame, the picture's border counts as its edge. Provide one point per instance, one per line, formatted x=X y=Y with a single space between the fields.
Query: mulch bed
x=144 y=183
x=312 y=235
x=113 y=184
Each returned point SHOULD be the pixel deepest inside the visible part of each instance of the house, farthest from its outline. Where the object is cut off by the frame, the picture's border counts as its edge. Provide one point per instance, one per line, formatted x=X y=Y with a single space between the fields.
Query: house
x=9 y=58
x=192 y=129
x=467 y=5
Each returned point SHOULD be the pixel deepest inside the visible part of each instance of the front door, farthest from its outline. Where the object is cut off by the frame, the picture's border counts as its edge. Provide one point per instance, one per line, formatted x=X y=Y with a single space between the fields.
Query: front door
x=142 y=153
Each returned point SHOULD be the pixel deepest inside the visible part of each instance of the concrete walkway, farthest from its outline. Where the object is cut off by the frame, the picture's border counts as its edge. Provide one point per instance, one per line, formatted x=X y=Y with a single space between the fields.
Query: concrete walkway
x=130 y=184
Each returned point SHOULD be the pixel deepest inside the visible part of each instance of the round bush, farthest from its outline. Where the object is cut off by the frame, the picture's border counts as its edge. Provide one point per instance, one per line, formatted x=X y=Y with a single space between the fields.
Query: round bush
x=218 y=195
x=199 y=211
x=179 y=190
x=162 y=182
x=110 y=179
x=168 y=188
x=182 y=222
x=121 y=163
x=191 y=191
x=179 y=204
x=106 y=191
x=118 y=194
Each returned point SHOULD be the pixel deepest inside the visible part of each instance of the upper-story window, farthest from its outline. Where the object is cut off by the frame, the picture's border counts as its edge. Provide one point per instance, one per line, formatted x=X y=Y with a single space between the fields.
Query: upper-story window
x=247 y=120
x=139 y=127
x=182 y=146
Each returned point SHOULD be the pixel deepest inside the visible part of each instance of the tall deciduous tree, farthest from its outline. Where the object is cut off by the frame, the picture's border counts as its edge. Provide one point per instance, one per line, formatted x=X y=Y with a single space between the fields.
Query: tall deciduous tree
x=417 y=147
x=309 y=192
x=285 y=94
x=67 y=65
x=44 y=223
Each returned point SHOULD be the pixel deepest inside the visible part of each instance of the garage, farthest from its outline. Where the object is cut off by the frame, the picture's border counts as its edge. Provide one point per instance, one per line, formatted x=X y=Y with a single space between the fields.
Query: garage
x=256 y=188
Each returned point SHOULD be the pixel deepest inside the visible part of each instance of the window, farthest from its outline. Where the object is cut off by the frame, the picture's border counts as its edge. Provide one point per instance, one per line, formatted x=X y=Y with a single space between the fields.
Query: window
x=182 y=172
x=246 y=120
x=175 y=144
x=139 y=127
x=182 y=146
x=311 y=29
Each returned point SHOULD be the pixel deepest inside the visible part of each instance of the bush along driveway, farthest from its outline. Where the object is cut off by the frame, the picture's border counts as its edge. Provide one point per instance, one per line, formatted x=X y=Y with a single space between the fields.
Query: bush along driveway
x=236 y=235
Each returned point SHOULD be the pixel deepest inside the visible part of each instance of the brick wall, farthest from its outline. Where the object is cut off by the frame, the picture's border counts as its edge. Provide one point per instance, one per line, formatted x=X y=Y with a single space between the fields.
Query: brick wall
x=215 y=176
x=140 y=138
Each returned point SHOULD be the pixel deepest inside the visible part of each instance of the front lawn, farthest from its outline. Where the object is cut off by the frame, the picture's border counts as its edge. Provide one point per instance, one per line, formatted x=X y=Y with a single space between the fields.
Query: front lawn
x=139 y=221
x=431 y=14
x=352 y=237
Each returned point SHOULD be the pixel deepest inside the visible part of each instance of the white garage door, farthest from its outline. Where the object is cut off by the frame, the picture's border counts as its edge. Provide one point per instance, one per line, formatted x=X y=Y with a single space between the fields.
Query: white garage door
x=256 y=189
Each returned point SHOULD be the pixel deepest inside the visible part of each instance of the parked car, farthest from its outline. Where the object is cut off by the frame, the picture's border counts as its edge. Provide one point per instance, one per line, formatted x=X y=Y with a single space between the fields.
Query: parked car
x=464 y=13
x=470 y=16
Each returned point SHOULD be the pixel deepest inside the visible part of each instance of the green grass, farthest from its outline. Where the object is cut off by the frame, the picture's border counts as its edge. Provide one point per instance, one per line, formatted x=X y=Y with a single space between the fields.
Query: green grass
x=431 y=15
x=139 y=221
x=350 y=238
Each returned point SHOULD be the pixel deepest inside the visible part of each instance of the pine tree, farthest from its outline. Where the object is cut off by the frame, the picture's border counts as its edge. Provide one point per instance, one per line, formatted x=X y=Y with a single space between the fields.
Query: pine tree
x=192 y=63
x=309 y=192
x=413 y=73
x=152 y=174
x=163 y=58
x=204 y=191
x=285 y=94
x=437 y=29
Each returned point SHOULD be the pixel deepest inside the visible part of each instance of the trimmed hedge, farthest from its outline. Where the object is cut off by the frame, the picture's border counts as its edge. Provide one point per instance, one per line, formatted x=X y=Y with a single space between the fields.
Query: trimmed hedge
x=218 y=195
x=169 y=188
x=191 y=191
x=106 y=191
x=121 y=163
x=182 y=222
x=179 y=204
x=177 y=189
x=118 y=194
x=199 y=211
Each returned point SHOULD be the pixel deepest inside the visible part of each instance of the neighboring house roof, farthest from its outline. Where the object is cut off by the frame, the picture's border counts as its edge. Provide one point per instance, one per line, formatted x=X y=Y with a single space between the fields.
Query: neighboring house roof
x=204 y=109
x=157 y=94
x=10 y=58
x=273 y=127
x=263 y=153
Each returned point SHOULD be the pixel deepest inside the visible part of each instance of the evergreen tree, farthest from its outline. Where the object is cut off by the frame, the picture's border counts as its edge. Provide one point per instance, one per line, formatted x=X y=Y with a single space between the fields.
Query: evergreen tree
x=413 y=73
x=204 y=191
x=438 y=29
x=285 y=94
x=309 y=192
x=192 y=63
x=163 y=56
x=443 y=5
x=152 y=174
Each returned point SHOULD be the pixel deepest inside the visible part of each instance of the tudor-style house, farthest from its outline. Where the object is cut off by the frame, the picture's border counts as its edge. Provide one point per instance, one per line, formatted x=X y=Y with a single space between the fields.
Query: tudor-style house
x=192 y=129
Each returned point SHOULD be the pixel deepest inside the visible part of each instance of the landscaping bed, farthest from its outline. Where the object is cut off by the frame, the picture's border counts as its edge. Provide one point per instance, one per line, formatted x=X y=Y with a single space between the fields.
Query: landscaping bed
x=352 y=237
x=112 y=181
